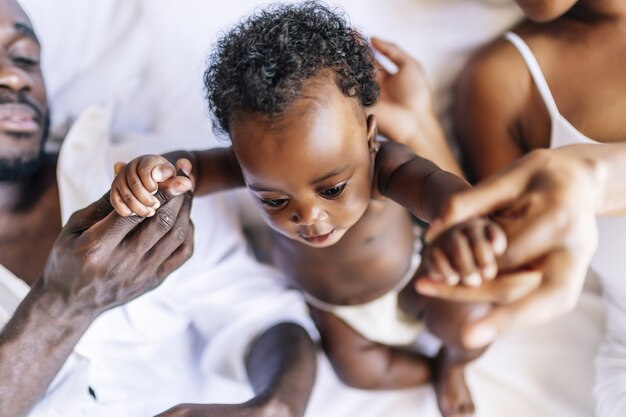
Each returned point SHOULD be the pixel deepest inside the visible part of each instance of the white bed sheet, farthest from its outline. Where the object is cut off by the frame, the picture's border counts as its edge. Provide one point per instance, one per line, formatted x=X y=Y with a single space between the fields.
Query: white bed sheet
x=147 y=57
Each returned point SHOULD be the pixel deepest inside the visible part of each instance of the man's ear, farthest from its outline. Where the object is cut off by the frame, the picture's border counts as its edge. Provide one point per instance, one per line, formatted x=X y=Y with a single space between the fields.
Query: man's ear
x=372 y=132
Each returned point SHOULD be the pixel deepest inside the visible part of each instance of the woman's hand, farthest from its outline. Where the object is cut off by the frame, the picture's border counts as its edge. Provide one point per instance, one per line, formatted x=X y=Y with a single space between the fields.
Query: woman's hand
x=547 y=205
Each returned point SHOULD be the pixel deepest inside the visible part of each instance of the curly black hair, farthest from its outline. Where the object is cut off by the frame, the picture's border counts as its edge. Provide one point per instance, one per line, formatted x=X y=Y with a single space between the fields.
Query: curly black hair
x=261 y=63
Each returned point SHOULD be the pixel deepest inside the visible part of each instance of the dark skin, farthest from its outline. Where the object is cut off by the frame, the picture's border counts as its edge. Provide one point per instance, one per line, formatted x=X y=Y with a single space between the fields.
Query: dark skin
x=29 y=209
x=71 y=286
x=336 y=200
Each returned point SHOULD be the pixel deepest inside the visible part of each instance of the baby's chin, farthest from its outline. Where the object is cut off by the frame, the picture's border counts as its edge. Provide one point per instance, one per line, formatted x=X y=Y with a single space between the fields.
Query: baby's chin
x=323 y=241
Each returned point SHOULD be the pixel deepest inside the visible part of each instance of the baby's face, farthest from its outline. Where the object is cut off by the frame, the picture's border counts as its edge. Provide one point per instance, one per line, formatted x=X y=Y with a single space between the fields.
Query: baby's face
x=310 y=169
x=545 y=10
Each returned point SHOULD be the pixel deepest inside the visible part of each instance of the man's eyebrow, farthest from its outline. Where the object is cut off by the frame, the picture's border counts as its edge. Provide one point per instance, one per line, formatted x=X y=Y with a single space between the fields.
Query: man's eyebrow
x=330 y=174
x=25 y=30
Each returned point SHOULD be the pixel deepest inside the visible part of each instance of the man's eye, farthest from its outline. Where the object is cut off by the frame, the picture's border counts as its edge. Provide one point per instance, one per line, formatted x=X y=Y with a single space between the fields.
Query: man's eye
x=334 y=191
x=275 y=203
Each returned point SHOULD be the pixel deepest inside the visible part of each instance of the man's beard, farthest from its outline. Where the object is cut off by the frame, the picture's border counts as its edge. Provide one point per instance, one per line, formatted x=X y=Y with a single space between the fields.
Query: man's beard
x=13 y=169
x=19 y=168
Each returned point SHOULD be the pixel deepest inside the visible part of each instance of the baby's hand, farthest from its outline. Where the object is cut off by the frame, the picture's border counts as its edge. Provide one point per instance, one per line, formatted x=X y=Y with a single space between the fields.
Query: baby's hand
x=135 y=183
x=465 y=253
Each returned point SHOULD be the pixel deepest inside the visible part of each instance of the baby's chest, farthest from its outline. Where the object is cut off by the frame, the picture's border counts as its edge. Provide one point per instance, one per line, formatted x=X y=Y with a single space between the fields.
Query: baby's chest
x=352 y=272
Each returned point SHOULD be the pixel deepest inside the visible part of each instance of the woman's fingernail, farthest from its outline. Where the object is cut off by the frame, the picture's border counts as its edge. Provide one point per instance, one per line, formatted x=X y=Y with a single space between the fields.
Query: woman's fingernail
x=452 y=279
x=472 y=280
x=489 y=272
x=424 y=288
x=151 y=212
x=481 y=336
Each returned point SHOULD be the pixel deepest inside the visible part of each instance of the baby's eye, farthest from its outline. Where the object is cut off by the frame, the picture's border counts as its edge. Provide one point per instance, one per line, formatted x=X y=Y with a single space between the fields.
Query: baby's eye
x=25 y=61
x=273 y=203
x=334 y=191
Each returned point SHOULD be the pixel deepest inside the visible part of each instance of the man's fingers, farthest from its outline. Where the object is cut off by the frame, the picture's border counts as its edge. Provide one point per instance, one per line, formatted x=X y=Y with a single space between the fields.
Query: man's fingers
x=506 y=288
x=114 y=228
x=83 y=219
x=176 y=186
x=177 y=234
x=179 y=256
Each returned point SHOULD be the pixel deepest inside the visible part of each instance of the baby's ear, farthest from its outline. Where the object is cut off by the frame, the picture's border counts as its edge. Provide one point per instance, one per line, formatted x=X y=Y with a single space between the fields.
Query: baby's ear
x=372 y=132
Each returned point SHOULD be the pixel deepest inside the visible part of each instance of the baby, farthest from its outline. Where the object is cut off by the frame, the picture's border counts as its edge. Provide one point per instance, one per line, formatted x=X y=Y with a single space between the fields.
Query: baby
x=292 y=86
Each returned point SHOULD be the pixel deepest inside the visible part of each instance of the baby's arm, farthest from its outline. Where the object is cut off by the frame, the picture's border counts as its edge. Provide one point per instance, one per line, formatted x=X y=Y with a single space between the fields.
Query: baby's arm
x=364 y=364
x=405 y=112
x=414 y=182
x=465 y=253
x=204 y=172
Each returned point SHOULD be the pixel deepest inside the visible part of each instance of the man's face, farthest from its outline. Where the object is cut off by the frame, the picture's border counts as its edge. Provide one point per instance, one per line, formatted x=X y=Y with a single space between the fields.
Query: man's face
x=545 y=10
x=23 y=106
x=310 y=169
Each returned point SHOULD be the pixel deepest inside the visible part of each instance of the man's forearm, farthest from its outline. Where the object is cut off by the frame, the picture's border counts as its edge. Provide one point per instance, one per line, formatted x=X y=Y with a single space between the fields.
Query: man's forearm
x=34 y=345
x=281 y=367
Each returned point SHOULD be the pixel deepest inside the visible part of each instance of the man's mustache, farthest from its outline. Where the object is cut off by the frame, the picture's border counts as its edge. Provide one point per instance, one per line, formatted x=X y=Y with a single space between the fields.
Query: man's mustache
x=19 y=98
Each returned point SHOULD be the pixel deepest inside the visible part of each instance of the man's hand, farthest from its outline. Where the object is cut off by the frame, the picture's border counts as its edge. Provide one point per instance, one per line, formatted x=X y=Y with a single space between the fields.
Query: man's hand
x=102 y=260
x=547 y=201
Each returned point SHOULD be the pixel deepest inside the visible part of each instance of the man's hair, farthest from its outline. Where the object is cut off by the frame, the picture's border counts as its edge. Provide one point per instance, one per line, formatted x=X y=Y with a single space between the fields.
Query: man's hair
x=261 y=64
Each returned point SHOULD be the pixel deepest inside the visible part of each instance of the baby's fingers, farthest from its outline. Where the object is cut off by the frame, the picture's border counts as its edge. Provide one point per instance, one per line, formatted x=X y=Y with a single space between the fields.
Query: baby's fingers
x=118 y=203
x=483 y=251
x=438 y=267
x=153 y=169
x=497 y=237
x=121 y=196
x=141 y=194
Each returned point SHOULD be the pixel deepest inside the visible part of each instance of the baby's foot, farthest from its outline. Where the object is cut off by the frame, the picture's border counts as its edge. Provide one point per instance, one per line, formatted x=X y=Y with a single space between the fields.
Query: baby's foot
x=453 y=395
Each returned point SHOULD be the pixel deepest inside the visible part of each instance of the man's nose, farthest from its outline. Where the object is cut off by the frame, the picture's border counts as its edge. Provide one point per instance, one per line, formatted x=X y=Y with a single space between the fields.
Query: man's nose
x=14 y=78
x=304 y=215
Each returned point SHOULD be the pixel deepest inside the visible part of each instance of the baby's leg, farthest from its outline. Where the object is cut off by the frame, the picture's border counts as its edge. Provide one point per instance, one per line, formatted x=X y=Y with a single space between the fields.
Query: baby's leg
x=361 y=363
x=445 y=320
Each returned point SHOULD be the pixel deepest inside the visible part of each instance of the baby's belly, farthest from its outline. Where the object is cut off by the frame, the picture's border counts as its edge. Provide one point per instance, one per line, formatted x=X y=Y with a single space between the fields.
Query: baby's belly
x=358 y=268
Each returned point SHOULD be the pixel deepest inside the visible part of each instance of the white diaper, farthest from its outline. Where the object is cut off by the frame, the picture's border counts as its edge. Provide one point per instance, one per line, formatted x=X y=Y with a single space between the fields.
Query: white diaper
x=380 y=320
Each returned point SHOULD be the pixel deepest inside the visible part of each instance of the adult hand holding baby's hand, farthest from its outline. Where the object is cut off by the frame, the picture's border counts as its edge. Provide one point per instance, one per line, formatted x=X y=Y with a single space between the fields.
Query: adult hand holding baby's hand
x=102 y=260
x=135 y=183
x=549 y=201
